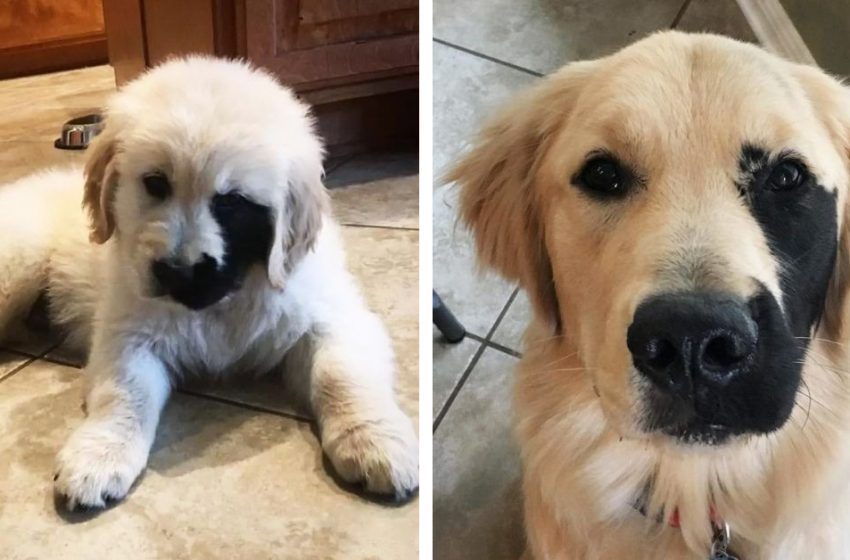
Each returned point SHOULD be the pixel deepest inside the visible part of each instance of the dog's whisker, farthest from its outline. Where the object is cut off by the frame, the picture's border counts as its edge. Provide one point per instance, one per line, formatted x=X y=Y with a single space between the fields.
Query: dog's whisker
x=564 y=370
x=820 y=339
x=561 y=359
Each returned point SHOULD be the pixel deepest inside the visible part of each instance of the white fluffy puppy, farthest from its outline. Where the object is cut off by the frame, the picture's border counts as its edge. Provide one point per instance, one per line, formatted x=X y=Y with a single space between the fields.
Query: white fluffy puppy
x=209 y=249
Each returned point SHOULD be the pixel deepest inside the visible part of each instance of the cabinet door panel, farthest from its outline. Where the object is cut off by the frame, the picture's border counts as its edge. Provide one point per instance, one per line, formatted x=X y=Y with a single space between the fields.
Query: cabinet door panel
x=309 y=43
x=39 y=36
x=320 y=11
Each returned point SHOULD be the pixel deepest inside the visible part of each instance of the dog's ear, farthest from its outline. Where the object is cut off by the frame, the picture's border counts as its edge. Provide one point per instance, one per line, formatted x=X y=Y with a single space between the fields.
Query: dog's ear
x=836 y=316
x=101 y=180
x=500 y=201
x=832 y=102
x=297 y=221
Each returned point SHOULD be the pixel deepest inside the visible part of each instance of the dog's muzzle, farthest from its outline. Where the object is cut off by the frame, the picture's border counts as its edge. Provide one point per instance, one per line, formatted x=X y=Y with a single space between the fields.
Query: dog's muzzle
x=196 y=285
x=715 y=364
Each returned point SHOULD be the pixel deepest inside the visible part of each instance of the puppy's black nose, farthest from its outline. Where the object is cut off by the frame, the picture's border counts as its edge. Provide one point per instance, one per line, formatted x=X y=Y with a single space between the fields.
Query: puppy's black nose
x=677 y=340
x=175 y=277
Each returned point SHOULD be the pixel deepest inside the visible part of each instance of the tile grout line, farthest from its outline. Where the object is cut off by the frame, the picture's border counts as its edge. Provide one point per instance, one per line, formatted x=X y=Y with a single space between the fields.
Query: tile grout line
x=248 y=406
x=30 y=359
x=474 y=336
x=680 y=14
x=18 y=352
x=18 y=368
x=59 y=362
x=495 y=345
x=489 y=58
x=396 y=228
x=504 y=349
x=339 y=163
x=474 y=362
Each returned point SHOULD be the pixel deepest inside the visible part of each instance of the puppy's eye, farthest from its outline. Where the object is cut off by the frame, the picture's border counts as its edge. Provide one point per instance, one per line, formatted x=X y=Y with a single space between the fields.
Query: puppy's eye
x=787 y=175
x=157 y=185
x=603 y=174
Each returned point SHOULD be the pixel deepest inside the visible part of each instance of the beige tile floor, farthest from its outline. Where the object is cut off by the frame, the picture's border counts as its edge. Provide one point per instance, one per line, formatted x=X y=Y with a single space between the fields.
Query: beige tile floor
x=479 y=63
x=235 y=473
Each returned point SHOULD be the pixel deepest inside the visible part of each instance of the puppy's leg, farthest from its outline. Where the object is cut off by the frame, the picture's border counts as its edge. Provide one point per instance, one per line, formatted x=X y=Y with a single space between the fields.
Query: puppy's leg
x=127 y=390
x=364 y=433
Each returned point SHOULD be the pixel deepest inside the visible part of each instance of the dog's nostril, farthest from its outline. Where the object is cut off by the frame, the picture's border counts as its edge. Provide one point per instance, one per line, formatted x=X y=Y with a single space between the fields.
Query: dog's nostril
x=660 y=353
x=723 y=351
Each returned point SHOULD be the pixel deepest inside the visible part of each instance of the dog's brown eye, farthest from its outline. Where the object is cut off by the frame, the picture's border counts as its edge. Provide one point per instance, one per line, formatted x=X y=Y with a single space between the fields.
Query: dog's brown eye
x=786 y=176
x=157 y=185
x=602 y=174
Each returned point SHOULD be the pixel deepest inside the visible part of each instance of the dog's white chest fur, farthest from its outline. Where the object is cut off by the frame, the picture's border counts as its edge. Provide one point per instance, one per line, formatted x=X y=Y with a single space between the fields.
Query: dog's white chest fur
x=239 y=336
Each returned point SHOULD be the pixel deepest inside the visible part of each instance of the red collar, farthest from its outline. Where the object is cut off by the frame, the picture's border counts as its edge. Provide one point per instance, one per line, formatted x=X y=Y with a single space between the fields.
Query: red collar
x=673 y=521
x=719 y=540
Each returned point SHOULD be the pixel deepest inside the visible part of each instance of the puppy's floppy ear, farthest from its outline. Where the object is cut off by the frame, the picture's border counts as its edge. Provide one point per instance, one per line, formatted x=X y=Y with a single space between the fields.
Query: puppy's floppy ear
x=297 y=221
x=101 y=180
x=500 y=199
x=832 y=102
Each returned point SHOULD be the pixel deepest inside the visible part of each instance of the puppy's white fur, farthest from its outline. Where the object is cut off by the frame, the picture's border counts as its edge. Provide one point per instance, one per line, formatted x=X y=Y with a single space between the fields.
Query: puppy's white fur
x=209 y=124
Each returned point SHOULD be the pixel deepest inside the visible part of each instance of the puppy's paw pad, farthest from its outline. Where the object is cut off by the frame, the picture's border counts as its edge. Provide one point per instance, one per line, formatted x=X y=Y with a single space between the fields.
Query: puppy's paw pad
x=90 y=474
x=382 y=455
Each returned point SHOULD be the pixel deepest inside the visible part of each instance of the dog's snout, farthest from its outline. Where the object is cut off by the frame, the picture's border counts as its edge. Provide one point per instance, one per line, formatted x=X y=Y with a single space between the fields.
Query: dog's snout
x=679 y=340
x=173 y=276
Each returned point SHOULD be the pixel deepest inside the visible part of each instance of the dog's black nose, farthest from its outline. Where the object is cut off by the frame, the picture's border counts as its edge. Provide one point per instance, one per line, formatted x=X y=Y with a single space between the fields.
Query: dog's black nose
x=678 y=340
x=174 y=277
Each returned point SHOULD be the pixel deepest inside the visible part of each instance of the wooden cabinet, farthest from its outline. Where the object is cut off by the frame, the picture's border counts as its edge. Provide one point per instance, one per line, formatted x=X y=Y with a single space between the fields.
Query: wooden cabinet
x=356 y=61
x=316 y=43
x=45 y=35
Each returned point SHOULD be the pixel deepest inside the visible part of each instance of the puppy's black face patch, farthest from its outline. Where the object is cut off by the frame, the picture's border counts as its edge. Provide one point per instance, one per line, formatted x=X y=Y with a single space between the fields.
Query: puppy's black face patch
x=247 y=231
x=799 y=219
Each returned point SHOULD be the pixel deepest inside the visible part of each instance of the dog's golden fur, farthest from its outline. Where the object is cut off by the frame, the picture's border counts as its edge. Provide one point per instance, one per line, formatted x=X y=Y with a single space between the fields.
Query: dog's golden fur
x=678 y=108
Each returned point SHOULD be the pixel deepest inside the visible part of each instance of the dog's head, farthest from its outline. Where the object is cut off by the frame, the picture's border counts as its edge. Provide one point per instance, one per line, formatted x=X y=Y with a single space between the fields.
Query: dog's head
x=206 y=170
x=677 y=212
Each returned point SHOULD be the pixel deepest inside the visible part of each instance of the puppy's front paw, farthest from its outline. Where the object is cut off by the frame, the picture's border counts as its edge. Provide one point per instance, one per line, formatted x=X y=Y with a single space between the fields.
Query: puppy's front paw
x=98 y=465
x=382 y=454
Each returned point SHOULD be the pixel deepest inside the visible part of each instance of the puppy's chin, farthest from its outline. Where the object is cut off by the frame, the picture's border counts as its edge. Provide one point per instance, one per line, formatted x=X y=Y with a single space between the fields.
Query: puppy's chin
x=192 y=300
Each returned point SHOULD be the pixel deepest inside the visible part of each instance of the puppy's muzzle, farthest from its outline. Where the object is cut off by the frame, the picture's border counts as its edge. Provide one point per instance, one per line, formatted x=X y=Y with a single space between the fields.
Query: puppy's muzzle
x=717 y=365
x=195 y=285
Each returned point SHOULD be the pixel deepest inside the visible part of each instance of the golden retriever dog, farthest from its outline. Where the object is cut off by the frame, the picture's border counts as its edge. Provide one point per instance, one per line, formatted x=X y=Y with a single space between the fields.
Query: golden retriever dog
x=678 y=214
x=205 y=246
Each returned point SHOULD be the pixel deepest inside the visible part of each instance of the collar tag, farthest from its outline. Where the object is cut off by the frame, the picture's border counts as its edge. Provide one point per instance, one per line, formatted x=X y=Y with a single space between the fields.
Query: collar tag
x=720 y=543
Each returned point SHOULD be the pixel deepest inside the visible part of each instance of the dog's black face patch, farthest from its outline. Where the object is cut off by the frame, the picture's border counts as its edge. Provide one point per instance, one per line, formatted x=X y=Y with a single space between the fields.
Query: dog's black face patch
x=718 y=366
x=801 y=227
x=247 y=231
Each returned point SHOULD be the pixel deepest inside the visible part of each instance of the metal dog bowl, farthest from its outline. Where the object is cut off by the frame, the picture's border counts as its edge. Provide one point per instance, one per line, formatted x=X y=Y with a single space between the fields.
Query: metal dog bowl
x=78 y=133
